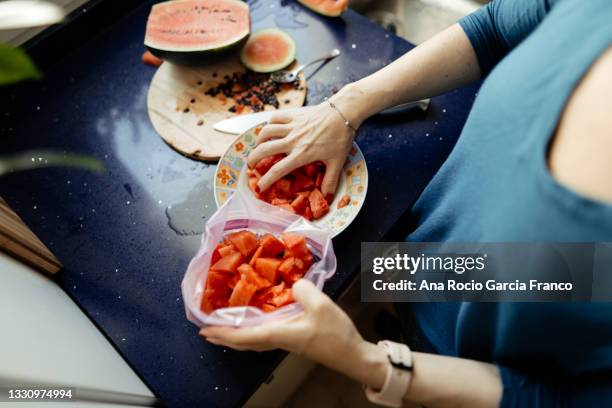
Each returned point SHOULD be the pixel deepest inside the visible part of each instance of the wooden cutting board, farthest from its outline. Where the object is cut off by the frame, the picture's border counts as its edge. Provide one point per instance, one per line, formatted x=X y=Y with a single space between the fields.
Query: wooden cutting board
x=184 y=115
x=17 y=240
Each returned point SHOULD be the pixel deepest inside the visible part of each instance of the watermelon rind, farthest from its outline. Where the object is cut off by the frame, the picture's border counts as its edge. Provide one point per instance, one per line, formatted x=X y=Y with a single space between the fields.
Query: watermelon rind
x=195 y=54
x=320 y=10
x=265 y=68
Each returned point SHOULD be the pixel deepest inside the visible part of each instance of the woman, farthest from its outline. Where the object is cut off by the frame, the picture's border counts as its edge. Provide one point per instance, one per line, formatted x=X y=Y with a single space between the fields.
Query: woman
x=532 y=164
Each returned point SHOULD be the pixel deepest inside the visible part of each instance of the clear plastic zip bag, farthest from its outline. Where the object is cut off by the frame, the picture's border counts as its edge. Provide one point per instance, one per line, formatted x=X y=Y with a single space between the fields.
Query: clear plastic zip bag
x=239 y=213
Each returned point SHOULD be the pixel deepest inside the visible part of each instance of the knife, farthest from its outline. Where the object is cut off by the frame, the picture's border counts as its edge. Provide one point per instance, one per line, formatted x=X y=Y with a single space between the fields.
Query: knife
x=241 y=124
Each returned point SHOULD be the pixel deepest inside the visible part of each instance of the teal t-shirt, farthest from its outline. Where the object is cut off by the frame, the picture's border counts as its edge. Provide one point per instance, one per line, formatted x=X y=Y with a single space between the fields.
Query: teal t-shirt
x=496 y=187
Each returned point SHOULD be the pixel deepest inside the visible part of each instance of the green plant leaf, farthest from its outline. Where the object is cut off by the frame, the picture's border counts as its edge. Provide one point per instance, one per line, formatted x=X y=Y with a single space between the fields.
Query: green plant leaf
x=15 y=65
x=34 y=159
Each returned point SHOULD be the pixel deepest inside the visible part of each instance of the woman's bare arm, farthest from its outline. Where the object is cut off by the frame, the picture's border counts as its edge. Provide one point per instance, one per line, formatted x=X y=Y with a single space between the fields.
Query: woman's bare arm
x=440 y=64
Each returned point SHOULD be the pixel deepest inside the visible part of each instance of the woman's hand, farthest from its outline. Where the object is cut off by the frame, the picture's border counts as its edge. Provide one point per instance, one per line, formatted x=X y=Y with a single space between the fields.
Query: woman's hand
x=305 y=135
x=322 y=333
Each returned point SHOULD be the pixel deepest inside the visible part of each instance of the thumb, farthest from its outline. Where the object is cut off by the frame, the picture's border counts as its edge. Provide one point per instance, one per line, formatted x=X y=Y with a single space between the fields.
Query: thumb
x=307 y=294
x=332 y=175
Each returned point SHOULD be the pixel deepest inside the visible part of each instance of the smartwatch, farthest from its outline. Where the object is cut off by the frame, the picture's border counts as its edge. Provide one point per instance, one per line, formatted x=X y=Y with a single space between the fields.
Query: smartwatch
x=397 y=380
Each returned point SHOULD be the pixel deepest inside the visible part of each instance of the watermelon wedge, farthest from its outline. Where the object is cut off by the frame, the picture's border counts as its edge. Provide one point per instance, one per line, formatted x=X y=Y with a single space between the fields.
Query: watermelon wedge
x=191 y=31
x=268 y=50
x=330 y=8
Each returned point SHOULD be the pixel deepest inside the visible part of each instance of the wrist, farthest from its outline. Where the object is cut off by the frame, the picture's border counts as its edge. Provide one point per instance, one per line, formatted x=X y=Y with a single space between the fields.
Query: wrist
x=372 y=364
x=351 y=101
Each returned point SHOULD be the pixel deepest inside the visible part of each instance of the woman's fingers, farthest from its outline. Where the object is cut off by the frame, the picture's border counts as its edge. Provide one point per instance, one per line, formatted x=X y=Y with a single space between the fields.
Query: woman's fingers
x=271 y=132
x=266 y=149
x=280 y=169
x=246 y=338
x=281 y=117
x=333 y=169
x=307 y=294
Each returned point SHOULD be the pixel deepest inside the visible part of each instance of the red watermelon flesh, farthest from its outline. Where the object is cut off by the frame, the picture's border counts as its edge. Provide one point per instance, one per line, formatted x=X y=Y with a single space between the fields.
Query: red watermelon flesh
x=263 y=278
x=330 y=8
x=268 y=50
x=183 y=30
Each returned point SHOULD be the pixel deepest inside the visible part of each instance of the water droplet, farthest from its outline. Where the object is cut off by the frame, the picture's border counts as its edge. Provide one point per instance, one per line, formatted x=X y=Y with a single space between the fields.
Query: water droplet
x=160 y=202
x=386 y=35
x=68 y=181
x=216 y=388
x=440 y=138
x=38 y=108
x=201 y=356
x=106 y=156
x=34 y=207
x=353 y=45
x=426 y=134
x=123 y=339
x=127 y=202
x=178 y=299
x=119 y=297
x=390 y=135
x=74 y=287
x=444 y=110
x=33 y=159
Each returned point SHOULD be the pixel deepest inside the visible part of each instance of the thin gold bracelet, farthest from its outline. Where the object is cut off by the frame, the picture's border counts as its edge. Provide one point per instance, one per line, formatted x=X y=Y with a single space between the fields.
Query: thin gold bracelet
x=346 y=122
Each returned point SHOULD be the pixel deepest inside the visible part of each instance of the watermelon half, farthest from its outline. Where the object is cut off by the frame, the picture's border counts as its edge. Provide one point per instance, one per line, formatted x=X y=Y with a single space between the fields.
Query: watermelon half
x=268 y=50
x=330 y=8
x=191 y=31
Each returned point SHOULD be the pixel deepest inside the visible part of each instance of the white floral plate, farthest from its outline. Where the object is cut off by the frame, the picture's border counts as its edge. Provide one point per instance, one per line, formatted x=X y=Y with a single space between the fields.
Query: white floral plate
x=231 y=177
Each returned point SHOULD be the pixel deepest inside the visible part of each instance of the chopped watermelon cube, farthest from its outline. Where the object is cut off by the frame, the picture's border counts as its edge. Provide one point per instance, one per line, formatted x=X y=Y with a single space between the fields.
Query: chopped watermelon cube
x=282 y=188
x=256 y=255
x=279 y=201
x=302 y=183
x=217 y=280
x=228 y=263
x=271 y=246
x=267 y=268
x=344 y=201
x=299 y=203
x=248 y=273
x=242 y=293
x=245 y=241
x=225 y=250
x=318 y=204
x=284 y=298
x=267 y=162
x=313 y=168
x=296 y=243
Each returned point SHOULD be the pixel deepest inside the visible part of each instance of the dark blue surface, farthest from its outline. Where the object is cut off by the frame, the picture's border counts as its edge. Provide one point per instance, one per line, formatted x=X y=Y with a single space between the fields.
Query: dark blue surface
x=123 y=264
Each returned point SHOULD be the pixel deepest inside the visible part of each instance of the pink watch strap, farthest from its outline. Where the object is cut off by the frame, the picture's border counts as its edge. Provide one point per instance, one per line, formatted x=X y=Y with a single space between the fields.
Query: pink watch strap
x=398 y=376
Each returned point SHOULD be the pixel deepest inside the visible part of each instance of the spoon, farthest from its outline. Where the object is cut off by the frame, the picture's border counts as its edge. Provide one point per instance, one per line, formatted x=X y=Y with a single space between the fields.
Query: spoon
x=290 y=76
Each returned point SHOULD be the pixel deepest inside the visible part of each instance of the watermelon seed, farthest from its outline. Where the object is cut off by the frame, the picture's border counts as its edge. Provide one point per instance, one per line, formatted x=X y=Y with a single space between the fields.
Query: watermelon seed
x=192 y=100
x=214 y=74
x=199 y=82
x=200 y=122
x=186 y=110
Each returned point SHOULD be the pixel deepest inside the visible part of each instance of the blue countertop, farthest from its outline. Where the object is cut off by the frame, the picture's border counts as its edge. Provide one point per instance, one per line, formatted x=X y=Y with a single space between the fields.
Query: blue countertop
x=123 y=263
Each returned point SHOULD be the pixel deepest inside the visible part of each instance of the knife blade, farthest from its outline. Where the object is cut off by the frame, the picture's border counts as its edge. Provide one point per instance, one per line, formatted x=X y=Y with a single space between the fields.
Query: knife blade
x=241 y=124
